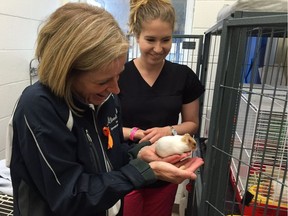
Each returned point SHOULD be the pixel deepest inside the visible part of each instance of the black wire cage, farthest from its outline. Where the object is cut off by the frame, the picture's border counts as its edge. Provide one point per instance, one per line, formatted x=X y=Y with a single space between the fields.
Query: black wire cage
x=244 y=119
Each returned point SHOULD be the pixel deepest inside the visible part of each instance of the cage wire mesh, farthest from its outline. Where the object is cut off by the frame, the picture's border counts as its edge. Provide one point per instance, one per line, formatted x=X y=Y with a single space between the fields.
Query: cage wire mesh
x=185 y=49
x=6 y=205
x=245 y=117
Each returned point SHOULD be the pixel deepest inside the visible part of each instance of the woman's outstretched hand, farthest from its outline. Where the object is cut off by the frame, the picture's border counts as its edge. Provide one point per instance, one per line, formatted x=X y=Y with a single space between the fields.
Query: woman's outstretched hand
x=177 y=173
x=175 y=168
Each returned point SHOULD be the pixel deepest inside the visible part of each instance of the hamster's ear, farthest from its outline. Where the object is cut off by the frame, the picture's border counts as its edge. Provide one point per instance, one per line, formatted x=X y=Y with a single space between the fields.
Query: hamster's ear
x=185 y=138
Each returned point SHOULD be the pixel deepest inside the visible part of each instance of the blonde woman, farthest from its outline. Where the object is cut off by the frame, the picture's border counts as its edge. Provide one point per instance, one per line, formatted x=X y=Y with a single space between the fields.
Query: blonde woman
x=153 y=93
x=67 y=156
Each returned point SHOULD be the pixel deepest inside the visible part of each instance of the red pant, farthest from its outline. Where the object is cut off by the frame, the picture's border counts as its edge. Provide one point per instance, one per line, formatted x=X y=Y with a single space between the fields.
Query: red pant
x=150 y=201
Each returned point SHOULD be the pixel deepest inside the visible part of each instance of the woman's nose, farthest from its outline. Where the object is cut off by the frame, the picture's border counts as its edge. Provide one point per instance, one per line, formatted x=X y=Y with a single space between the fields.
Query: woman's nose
x=158 y=48
x=113 y=86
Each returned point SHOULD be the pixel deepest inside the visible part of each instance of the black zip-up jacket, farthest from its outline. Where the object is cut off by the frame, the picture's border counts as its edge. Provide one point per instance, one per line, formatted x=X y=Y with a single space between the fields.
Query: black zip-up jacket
x=61 y=163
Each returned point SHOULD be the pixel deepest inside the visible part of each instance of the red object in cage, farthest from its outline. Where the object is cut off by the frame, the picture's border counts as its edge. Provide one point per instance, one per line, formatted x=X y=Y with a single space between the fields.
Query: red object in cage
x=259 y=210
x=261 y=207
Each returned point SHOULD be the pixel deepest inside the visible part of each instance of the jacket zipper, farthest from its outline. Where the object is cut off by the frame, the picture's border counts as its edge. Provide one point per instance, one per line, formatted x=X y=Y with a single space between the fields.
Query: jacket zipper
x=108 y=164
x=94 y=152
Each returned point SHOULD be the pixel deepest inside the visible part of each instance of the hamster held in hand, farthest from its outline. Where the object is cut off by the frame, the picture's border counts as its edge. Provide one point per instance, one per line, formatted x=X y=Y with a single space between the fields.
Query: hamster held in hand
x=178 y=144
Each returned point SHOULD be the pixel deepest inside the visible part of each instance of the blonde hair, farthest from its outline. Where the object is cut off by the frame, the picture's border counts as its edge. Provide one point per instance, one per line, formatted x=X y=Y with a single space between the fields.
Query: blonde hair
x=77 y=37
x=148 y=10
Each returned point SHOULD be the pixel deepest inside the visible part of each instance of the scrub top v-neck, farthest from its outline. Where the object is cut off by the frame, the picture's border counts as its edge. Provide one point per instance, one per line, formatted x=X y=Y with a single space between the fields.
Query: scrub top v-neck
x=158 y=105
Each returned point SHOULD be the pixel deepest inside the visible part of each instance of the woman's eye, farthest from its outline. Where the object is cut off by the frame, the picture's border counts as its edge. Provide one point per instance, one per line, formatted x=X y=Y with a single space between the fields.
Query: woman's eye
x=166 y=40
x=150 y=40
x=103 y=83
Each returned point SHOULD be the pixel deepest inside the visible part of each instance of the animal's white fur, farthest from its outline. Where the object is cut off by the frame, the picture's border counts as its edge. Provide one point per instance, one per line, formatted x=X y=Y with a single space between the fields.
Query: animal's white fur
x=169 y=145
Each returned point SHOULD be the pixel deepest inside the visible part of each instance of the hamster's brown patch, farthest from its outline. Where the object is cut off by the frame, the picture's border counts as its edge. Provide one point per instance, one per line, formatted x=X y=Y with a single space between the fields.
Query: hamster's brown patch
x=189 y=141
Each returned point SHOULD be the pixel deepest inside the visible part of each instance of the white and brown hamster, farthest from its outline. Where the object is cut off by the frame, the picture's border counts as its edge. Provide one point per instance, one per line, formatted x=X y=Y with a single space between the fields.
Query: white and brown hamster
x=178 y=144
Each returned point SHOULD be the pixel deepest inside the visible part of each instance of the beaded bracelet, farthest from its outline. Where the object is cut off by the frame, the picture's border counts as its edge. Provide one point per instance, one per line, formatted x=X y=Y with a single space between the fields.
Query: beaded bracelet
x=132 y=133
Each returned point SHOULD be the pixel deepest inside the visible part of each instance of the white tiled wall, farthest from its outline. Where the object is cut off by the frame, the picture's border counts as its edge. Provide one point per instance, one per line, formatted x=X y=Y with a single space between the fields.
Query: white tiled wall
x=19 y=21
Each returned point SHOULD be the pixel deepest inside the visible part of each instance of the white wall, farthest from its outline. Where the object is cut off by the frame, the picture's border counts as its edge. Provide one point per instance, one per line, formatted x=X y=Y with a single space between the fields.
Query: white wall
x=205 y=14
x=19 y=21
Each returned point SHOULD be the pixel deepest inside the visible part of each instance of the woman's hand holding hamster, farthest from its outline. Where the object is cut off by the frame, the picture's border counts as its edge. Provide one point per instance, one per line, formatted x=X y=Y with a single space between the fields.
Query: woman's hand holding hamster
x=174 y=168
x=176 y=173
